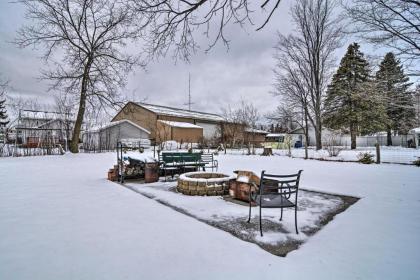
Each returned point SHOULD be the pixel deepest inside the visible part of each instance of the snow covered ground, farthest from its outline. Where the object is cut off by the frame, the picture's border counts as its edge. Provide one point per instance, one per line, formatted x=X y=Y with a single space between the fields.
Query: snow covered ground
x=388 y=154
x=279 y=236
x=61 y=219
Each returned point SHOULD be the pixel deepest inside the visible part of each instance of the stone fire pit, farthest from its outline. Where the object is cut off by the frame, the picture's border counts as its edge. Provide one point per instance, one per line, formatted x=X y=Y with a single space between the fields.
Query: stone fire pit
x=204 y=183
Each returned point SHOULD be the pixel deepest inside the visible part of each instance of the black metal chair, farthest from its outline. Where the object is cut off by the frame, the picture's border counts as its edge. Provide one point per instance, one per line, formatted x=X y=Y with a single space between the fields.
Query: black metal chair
x=276 y=191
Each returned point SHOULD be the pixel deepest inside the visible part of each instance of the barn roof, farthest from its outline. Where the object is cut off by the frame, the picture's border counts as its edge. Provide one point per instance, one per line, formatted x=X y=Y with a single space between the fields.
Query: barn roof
x=176 y=112
x=180 y=124
x=111 y=124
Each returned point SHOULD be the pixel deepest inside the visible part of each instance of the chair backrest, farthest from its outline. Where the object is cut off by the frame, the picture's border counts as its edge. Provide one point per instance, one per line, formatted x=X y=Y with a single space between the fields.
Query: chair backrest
x=207 y=157
x=280 y=184
x=169 y=157
x=190 y=157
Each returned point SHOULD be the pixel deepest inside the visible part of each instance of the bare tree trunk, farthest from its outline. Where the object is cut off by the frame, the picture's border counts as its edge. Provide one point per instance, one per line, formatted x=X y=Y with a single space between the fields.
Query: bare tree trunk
x=318 y=133
x=352 y=137
x=74 y=145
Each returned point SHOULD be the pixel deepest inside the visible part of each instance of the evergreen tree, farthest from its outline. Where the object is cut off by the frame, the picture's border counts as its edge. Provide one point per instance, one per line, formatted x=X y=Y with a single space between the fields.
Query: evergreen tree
x=3 y=114
x=351 y=102
x=393 y=85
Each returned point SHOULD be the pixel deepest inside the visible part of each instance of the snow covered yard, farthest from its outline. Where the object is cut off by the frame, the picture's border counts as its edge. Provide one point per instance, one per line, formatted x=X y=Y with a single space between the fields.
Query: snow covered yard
x=315 y=210
x=388 y=154
x=61 y=219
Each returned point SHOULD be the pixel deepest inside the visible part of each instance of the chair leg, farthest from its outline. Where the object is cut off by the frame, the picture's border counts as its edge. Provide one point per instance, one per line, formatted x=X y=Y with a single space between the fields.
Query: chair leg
x=297 y=232
x=281 y=214
x=260 y=223
x=249 y=216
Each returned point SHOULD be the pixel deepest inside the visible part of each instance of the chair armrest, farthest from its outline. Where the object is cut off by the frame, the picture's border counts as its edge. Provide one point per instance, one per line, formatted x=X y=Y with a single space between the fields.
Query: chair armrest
x=251 y=193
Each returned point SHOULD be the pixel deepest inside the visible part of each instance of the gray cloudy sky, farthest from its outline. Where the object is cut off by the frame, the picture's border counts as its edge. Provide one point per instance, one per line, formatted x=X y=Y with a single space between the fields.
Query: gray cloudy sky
x=222 y=76
x=218 y=78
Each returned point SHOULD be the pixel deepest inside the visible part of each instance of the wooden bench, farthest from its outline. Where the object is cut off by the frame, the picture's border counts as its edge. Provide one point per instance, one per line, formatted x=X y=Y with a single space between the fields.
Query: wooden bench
x=180 y=162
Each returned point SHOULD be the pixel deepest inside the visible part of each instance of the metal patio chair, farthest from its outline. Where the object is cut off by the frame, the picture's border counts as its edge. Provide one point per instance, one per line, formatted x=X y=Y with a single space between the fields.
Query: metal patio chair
x=276 y=191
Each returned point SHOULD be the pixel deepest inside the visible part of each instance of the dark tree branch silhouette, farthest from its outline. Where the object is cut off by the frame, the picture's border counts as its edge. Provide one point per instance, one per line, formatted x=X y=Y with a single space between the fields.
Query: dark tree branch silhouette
x=391 y=23
x=172 y=23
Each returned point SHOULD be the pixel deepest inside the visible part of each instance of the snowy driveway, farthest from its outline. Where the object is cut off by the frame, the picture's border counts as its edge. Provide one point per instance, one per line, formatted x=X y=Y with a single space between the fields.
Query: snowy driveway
x=60 y=219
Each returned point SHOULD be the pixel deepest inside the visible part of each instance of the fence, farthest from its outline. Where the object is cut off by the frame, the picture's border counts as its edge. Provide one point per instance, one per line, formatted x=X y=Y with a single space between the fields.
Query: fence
x=12 y=150
x=399 y=155
x=370 y=141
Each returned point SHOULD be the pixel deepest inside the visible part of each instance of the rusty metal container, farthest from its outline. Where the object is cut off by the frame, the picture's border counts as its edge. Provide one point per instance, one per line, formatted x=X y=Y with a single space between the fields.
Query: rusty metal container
x=151 y=172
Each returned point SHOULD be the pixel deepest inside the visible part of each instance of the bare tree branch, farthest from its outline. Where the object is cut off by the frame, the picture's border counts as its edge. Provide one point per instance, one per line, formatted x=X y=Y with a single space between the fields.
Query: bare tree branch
x=390 y=23
x=173 y=23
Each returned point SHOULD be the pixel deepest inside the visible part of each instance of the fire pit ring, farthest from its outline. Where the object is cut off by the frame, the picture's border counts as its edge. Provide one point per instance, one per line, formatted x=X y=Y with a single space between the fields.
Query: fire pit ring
x=204 y=183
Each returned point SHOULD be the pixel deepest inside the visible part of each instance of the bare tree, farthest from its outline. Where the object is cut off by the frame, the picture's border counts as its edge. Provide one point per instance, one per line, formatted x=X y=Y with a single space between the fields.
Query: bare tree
x=88 y=36
x=17 y=103
x=296 y=116
x=249 y=117
x=232 y=128
x=390 y=23
x=305 y=60
x=173 y=23
x=65 y=105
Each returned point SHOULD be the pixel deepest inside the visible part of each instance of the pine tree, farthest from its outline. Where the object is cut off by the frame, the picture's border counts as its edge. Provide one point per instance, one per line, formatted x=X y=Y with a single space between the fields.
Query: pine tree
x=3 y=114
x=351 y=102
x=393 y=85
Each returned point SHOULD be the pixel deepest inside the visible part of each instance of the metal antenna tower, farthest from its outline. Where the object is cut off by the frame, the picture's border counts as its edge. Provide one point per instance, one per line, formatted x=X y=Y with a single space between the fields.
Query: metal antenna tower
x=189 y=103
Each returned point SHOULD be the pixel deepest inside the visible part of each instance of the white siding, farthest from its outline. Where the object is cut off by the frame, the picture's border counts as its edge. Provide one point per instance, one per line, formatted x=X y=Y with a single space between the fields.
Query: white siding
x=108 y=137
x=209 y=129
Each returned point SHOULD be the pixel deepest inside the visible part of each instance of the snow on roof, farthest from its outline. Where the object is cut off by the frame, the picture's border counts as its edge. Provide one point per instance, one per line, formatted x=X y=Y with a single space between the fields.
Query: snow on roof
x=180 y=124
x=275 y=134
x=175 y=112
x=415 y=130
x=41 y=115
x=254 y=130
x=111 y=124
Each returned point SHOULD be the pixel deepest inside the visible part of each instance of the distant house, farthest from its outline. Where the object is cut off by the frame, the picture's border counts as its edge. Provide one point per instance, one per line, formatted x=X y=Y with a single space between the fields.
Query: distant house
x=168 y=123
x=255 y=136
x=39 y=128
x=417 y=107
x=278 y=140
x=299 y=135
x=106 y=137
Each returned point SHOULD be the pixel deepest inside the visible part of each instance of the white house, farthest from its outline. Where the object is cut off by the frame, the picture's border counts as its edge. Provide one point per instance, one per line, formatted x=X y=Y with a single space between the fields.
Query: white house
x=106 y=137
x=39 y=128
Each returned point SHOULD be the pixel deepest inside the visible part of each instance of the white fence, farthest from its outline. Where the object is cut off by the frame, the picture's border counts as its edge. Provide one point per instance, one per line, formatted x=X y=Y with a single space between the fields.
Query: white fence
x=370 y=141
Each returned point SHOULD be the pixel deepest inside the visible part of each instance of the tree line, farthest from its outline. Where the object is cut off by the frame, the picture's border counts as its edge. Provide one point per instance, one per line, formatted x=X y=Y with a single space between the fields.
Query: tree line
x=351 y=98
x=85 y=43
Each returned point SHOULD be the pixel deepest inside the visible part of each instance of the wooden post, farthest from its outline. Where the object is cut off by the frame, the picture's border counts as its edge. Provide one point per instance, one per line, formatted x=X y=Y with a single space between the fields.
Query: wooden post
x=378 y=153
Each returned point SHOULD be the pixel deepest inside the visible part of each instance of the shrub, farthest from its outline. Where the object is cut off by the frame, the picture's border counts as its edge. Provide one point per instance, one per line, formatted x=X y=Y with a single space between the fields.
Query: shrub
x=417 y=162
x=365 y=158
x=333 y=145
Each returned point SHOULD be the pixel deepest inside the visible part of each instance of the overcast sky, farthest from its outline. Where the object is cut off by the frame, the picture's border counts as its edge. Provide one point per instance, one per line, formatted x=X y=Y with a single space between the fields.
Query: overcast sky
x=218 y=78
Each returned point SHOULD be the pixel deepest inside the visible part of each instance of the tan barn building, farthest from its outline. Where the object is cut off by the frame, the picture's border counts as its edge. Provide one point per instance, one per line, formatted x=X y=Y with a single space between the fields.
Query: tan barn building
x=167 y=123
